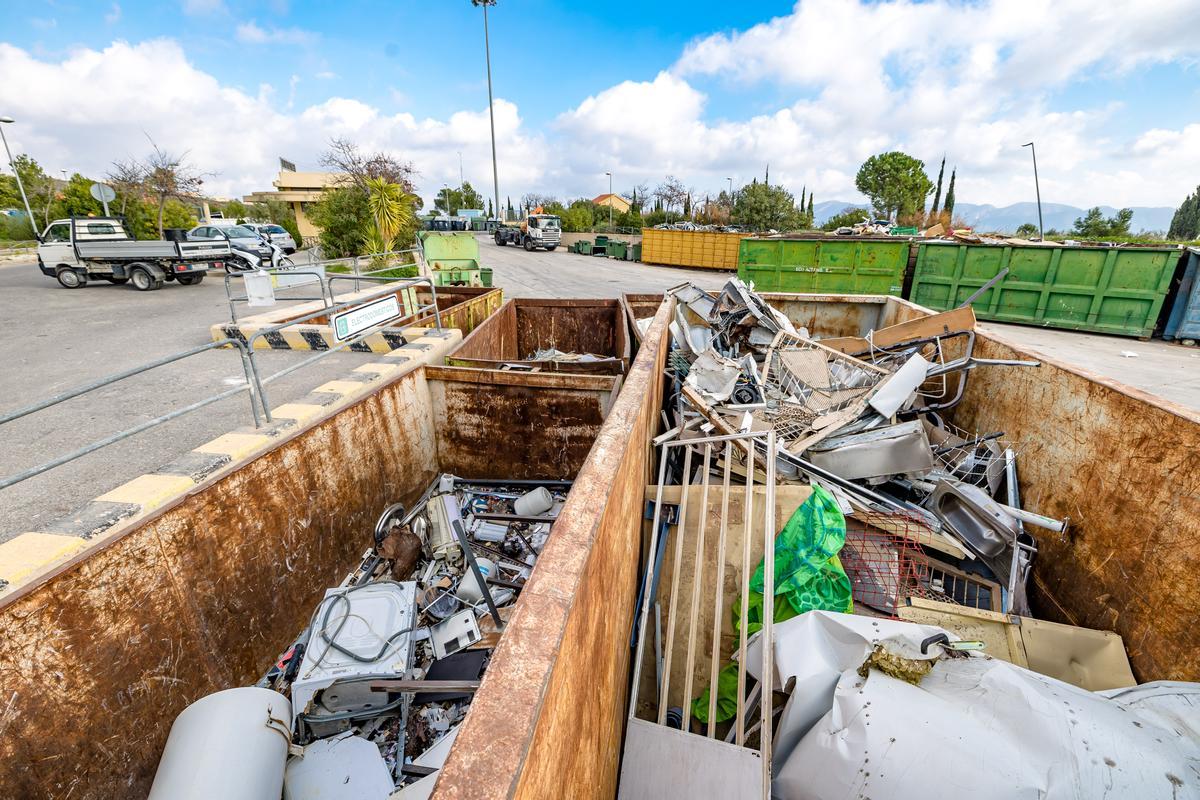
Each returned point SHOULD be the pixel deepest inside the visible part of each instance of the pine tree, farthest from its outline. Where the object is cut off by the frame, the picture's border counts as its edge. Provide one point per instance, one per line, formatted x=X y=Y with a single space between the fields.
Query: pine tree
x=950 y=197
x=937 y=195
x=1185 y=224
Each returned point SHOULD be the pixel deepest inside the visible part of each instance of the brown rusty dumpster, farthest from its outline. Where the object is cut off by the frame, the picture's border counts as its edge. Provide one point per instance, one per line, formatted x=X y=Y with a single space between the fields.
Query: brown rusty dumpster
x=561 y=335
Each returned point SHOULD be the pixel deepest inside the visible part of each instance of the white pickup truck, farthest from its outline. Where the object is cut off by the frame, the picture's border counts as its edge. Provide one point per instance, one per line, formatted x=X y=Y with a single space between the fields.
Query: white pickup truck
x=78 y=249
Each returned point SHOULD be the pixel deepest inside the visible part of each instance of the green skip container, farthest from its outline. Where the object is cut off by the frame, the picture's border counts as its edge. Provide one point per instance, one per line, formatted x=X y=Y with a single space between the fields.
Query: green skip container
x=824 y=265
x=1117 y=290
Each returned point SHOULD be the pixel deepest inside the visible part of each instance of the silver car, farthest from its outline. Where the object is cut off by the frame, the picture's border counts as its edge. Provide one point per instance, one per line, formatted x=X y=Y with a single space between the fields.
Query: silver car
x=277 y=234
x=249 y=245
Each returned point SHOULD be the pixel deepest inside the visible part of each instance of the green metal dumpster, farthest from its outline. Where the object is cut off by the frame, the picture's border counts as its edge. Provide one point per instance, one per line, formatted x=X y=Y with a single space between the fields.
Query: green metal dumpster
x=583 y=247
x=600 y=246
x=1118 y=290
x=827 y=265
x=635 y=252
x=616 y=249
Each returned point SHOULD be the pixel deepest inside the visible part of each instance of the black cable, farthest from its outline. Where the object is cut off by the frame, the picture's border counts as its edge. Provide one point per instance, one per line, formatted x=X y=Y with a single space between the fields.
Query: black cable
x=331 y=642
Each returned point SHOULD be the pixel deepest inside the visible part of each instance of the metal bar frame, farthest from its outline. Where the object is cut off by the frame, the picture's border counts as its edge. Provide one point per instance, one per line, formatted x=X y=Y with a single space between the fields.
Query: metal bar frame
x=761 y=698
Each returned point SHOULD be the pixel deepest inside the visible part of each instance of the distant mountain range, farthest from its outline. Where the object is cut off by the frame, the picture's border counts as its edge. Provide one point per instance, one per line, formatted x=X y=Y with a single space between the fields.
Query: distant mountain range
x=1008 y=218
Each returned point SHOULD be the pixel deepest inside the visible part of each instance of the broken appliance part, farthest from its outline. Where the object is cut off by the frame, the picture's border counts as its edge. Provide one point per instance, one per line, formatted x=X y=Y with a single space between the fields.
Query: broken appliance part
x=360 y=631
x=454 y=633
x=342 y=767
x=231 y=744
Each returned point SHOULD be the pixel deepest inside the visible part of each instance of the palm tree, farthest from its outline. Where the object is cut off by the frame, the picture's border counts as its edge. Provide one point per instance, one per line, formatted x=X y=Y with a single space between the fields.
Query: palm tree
x=391 y=211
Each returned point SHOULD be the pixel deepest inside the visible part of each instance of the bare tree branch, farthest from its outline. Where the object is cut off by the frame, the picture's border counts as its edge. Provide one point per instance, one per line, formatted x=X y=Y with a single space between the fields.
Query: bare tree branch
x=344 y=156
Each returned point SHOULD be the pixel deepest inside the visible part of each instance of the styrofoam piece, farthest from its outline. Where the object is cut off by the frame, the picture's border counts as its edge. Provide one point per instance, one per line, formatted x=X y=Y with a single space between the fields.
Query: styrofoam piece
x=343 y=767
x=231 y=744
x=895 y=390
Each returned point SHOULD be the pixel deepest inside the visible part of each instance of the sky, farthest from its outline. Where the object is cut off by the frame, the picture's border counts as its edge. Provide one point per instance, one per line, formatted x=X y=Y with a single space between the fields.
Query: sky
x=702 y=90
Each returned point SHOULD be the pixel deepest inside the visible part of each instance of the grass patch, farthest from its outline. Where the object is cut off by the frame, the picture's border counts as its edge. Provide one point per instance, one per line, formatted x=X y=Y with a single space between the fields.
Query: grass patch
x=407 y=271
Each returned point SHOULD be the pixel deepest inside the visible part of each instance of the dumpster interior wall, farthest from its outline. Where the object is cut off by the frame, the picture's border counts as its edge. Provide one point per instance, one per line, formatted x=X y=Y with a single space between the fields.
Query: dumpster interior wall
x=98 y=660
x=552 y=706
x=524 y=326
x=1124 y=466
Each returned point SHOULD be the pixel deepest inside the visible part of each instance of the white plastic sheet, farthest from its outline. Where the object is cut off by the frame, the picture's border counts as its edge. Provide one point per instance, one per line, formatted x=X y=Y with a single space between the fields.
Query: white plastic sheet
x=974 y=727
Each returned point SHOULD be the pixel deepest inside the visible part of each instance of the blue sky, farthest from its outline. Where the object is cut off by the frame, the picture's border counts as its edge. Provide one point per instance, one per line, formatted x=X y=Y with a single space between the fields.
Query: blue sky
x=697 y=89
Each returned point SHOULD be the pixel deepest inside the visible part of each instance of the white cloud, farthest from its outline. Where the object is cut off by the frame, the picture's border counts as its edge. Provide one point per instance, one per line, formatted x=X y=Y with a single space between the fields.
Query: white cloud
x=114 y=15
x=973 y=81
x=160 y=94
x=325 y=75
x=251 y=33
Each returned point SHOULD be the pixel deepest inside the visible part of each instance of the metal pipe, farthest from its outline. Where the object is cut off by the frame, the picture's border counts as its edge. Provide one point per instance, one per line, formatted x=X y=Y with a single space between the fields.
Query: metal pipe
x=744 y=617
x=1038 y=188
x=697 y=579
x=719 y=596
x=649 y=600
x=116 y=437
x=32 y=225
x=664 y=697
x=117 y=376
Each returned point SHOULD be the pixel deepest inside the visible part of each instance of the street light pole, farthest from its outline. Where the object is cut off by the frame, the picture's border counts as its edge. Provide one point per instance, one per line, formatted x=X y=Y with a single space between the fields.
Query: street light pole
x=610 y=200
x=32 y=226
x=446 y=189
x=1037 y=187
x=487 y=51
x=461 y=180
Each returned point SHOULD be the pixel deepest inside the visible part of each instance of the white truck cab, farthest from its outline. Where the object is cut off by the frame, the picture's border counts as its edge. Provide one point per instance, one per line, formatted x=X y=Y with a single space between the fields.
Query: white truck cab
x=78 y=249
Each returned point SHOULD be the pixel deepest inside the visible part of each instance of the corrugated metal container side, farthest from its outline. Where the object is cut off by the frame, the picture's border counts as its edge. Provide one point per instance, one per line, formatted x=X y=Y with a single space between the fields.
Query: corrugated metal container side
x=843 y=266
x=700 y=249
x=1184 y=321
x=1102 y=289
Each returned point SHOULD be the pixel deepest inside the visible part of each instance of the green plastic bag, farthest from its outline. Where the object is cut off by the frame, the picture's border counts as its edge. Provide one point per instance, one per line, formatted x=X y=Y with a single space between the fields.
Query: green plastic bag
x=808 y=577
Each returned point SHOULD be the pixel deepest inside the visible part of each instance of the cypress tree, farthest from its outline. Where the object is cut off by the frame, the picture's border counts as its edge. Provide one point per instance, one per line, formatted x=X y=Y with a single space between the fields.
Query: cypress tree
x=811 y=217
x=803 y=191
x=1185 y=224
x=937 y=195
x=950 y=196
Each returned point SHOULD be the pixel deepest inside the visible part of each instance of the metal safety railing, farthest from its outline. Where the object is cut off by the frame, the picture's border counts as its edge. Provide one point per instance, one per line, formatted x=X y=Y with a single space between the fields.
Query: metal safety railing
x=259 y=406
x=393 y=286
x=251 y=386
x=354 y=263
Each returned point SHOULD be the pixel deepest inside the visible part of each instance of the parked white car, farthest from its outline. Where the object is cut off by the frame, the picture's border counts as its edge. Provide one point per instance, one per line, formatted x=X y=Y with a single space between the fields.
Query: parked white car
x=277 y=234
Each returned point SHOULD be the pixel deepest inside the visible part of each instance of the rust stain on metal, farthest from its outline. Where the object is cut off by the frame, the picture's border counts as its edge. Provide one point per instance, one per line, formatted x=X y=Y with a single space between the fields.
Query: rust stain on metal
x=523 y=326
x=493 y=424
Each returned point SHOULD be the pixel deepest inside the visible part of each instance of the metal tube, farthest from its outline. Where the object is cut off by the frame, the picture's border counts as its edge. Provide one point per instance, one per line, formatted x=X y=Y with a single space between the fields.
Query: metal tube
x=67 y=395
x=20 y=185
x=116 y=437
x=664 y=698
x=719 y=597
x=1038 y=188
x=487 y=51
x=697 y=579
x=648 y=600
x=744 y=634
x=487 y=593
x=768 y=630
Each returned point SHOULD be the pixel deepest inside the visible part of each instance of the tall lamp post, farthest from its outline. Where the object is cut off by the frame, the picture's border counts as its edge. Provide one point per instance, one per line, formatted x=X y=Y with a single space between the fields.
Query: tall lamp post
x=487 y=51
x=446 y=189
x=1037 y=187
x=33 y=227
x=610 y=200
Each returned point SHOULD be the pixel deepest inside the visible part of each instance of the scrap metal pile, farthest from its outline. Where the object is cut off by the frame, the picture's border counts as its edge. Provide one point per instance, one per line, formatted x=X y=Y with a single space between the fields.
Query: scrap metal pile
x=382 y=677
x=878 y=642
x=864 y=418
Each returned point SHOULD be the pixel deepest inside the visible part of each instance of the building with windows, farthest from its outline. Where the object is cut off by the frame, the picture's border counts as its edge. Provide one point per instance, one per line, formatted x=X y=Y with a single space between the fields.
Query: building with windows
x=299 y=190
